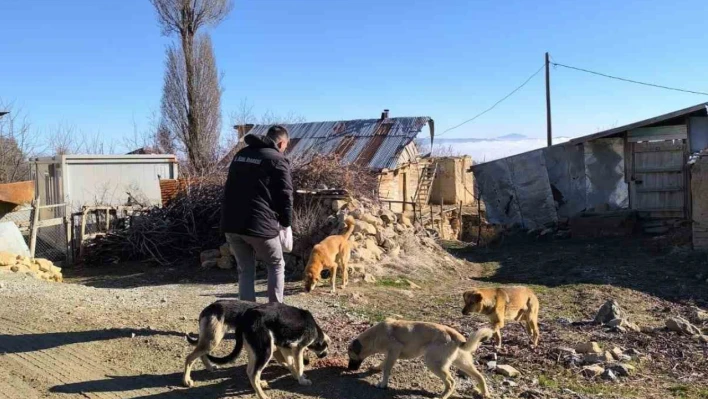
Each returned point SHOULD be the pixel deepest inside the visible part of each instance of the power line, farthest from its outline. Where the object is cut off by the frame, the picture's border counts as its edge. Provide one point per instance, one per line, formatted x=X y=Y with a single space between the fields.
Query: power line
x=628 y=80
x=496 y=103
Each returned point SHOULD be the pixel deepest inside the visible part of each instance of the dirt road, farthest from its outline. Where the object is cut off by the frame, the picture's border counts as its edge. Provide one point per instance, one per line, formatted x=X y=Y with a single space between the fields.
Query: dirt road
x=120 y=334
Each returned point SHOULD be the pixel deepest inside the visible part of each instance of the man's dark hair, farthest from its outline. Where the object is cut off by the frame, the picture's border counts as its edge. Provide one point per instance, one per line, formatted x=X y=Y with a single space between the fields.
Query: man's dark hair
x=277 y=133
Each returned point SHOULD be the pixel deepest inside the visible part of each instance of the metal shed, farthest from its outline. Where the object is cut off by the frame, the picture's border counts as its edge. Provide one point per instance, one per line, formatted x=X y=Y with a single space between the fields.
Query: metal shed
x=79 y=180
x=640 y=167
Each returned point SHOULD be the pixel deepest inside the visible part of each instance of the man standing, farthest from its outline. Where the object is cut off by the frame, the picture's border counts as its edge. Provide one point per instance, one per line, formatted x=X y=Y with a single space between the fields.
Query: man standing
x=258 y=202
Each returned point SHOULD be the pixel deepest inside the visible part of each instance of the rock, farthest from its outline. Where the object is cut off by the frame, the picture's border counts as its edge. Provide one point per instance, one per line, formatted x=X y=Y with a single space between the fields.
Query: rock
x=598 y=358
x=394 y=252
x=2 y=285
x=404 y=220
x=700 y=338
x=622 y=369
x=225 y=250
x=44 y=264
x=400 y=228
x=15 y=268
x=338 y=204
x=132 y=335
x=412 y=284
x=609 y=375
x=507 y=371
x=208 y=264
x=617 y=353
x=564 y=321
x=209 y=254
x=371 y=246
x=388 y=217
x=369 y=278
x=588 y=347
x=509 y=383
x=682 y=326
x=564 y=351
x=365 y=228
x=648 y=330
x=610 y=310
x=7 y=259
x=388 y=244
x=491 y=365
x=632 y=352
x=356 y=212
x=592 y=371
x=371 y=219
x=699 y=315
x=225 y=263
x=632 y=326
x=546 y=232
x=614 y=323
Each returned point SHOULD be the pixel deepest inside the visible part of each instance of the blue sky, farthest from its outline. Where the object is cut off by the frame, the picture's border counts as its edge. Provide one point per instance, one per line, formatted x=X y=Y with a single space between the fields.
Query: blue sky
x=98 y=65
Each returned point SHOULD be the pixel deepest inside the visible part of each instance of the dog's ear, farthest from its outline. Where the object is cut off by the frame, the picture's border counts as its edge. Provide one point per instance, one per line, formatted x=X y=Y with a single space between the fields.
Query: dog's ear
x=472 y=296
x=356 y=347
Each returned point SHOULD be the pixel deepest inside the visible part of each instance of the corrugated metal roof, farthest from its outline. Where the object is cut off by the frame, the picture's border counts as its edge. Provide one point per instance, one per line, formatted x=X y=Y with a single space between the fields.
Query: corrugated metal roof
x=376 y=142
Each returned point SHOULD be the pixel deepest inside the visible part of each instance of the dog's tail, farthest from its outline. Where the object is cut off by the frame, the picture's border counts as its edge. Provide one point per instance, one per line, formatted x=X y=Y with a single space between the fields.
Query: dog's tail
x=476 y=339
x=192 y=341
x=234 y=353
x=349 y=221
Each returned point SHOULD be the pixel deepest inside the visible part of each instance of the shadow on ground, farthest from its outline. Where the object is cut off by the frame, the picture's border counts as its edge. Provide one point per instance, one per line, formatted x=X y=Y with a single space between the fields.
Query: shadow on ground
x=234 y=383
x=22 y=343
x=134 y=275
x=641 y=264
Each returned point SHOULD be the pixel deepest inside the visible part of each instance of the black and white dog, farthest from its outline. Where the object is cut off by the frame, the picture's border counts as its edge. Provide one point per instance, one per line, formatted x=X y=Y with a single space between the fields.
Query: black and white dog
x=270 y=330
x=214 y=322
x=280 y=331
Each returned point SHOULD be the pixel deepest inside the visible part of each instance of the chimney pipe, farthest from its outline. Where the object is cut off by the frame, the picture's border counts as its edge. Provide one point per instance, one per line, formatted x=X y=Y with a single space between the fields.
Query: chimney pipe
x=384 y=114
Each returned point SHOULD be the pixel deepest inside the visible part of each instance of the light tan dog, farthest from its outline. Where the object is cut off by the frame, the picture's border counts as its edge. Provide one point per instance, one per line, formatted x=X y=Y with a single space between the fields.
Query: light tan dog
x=332 y=253
x=441 y=347
x=505 y=303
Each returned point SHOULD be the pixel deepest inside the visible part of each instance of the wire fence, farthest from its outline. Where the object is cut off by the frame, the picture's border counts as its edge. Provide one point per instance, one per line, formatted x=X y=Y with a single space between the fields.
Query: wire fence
x=51 y=240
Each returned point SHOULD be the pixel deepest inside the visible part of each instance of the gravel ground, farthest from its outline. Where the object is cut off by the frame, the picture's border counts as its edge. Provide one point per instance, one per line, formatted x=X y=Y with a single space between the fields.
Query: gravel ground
x=119 y=332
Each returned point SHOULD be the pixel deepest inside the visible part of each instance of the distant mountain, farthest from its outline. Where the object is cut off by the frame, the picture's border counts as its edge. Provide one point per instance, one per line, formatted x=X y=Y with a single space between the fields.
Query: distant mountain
x=513 y=136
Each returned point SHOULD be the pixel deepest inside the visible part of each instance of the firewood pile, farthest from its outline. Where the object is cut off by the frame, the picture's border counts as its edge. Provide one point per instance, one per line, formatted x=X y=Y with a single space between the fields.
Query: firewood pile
x=188 y=224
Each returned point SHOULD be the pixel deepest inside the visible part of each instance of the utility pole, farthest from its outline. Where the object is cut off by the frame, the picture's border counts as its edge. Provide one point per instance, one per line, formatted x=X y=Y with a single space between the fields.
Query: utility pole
x=548 y=101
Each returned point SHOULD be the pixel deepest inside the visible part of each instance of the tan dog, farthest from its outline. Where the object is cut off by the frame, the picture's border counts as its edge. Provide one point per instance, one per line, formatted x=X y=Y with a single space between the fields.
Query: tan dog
x=507 y=303
x=331 y=253
x=441 y=346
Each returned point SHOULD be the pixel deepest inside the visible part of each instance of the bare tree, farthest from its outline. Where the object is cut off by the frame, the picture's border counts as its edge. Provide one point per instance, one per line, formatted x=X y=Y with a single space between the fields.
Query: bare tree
x=17 y=145
x=201 y=145
x=64 y=139
x=192 y=95
x=244 y=115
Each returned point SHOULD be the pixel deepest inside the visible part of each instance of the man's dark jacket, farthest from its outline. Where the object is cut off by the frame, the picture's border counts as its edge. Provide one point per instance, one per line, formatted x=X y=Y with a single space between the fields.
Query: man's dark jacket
x=258 y=196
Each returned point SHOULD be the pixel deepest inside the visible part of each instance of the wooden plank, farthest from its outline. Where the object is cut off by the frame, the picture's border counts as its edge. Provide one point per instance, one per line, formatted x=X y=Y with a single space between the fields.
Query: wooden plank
x=675 y=132
x=671 y=169
x=658 y=189
x=50 y=222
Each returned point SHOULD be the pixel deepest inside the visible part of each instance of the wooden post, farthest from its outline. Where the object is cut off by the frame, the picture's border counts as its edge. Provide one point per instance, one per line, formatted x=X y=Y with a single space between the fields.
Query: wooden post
x=34 y=226
x=548 y=101
x=108 y=218
x=459 y=218
x=82 y=234
x=69 y=252
x=414 y=214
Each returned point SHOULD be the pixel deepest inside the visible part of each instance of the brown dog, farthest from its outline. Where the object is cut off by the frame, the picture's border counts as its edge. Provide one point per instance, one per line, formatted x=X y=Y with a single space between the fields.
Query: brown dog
x=331 y=253
x=507 y=303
